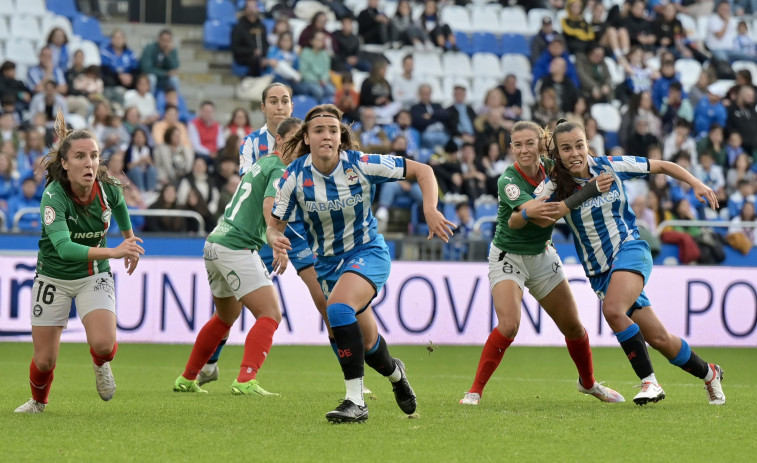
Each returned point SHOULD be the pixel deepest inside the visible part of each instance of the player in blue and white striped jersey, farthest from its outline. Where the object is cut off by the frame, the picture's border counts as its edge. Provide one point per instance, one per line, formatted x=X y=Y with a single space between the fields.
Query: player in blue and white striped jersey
x=618 y=262
x=276 y=106
x=331 y=187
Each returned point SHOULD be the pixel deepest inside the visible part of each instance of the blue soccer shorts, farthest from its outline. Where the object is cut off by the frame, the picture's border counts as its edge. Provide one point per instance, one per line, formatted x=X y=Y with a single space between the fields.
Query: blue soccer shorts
x=633 y=256
x=301 y=256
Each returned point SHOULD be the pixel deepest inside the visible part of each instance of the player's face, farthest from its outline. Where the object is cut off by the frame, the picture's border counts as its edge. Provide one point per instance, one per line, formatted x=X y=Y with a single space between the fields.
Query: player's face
x=82 y=162
x=277 y=106
x=288 y=136
x=525 y=146
x=323 y=137
x=574 y=151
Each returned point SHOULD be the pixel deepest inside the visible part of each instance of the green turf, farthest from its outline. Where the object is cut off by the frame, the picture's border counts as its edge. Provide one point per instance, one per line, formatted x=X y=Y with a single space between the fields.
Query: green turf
x=530 y=411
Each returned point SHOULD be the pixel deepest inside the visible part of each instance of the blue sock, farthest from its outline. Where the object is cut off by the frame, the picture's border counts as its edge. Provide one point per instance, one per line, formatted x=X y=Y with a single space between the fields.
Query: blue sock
x=690 y=362
x=683 y=355
x=217 y=353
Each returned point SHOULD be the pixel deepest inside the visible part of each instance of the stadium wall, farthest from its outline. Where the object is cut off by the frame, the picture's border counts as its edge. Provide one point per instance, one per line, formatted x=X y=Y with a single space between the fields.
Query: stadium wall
x=167 y=300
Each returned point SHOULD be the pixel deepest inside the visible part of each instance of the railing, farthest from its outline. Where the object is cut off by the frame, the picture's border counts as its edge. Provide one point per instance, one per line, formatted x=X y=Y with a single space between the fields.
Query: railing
x=132 y=212
x=3 y=221
x=702 y=223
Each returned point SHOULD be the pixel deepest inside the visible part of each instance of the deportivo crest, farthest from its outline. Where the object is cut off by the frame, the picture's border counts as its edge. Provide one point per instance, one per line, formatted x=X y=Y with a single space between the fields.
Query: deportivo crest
x=49 y=215
x=512 y=191
x=352 y=177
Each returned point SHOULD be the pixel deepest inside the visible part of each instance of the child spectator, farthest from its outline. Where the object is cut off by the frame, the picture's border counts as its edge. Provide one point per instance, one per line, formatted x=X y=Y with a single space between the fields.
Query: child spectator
x=744 y=193
x=733 y=149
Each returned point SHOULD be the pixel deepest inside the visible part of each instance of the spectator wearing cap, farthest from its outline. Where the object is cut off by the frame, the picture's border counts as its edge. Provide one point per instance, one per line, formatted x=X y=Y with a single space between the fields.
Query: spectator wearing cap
x=249 y=41
x=544 y=37
x=461 y=117
x=710 y=110
x=596 y=81
x=742 y=118
x=555 y=49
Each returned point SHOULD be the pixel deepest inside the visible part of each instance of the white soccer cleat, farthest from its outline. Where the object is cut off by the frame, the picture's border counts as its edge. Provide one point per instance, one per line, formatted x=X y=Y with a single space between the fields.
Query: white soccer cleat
x=205 y=376
x=106 y=385
x=650 y=392
x=32 y=406
x=713 y=386
x=601 y=392
x=471 y=398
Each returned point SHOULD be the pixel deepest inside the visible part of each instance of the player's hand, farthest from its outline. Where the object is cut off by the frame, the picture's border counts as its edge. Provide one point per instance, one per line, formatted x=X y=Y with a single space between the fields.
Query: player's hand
x=703 y=192
x=543 y=210
x=280 y=247
x=130 y=250
x=438 y=225
x=604 y=182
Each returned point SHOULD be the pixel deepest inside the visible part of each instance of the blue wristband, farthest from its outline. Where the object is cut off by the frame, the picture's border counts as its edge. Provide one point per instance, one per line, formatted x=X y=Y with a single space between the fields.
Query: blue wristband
x=523 y=214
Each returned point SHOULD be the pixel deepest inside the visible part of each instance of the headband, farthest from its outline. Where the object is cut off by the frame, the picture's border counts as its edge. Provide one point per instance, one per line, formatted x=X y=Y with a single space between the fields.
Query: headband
x=322 y=115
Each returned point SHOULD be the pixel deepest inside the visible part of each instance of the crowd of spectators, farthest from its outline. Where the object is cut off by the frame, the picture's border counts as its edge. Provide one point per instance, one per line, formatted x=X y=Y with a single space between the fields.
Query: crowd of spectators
x=174 y=159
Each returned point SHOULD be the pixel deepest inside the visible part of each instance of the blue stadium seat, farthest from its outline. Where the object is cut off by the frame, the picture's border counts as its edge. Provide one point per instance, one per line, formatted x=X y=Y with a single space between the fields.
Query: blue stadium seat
x=464 y=42
x=485 y=42
x=216 y=35
x=486 y=210
x=89 y=29
x=269 y=23
x=302 y=104
x=239 y=70
x=515 y=43
x=222 y=10
x=65 y=8
x=417 y=227
x=611 y=140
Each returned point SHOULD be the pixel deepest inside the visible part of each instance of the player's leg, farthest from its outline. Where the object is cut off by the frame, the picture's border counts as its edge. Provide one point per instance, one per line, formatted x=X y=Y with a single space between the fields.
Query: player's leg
x=377 y=356
x=678 y=353
x=561 y=306
x=46 y=341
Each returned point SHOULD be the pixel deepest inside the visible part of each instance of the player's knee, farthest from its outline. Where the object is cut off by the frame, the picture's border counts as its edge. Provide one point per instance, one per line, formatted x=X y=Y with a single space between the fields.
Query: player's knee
x=573 y=331
x=44 y=362
x=659 y=340
x=508 y=328
x=102 y=347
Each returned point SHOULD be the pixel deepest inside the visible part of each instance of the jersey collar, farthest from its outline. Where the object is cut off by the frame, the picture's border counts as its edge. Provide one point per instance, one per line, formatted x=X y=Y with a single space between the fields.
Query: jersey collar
x=91 y=197
x=531 y=181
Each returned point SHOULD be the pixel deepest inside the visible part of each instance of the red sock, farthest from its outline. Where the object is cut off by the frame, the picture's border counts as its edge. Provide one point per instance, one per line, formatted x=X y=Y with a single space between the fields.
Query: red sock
x=205 y=344
x=494 y=350
x=107 y=358
x=580 y=352
x=40 y=382
x=256 y=347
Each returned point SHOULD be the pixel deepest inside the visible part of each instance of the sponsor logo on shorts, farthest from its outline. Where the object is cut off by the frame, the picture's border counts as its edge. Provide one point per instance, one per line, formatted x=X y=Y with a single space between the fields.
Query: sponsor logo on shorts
x=104 y=284
x=233 y=280
x=49 y=215
x=555 y=266
x=37 y=310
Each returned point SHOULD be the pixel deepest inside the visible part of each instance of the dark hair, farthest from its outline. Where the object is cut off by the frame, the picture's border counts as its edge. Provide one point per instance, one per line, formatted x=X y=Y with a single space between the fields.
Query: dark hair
x=170 y=106
x=50 y=35
x=275 y=84
x=287 y=125
x=681 y=122
x=559 y=174
x=676 y=86
x=207 y=102
x=165 y=32
x=296 y=147
x=7 y=65
x=234 y=113
x=169 y=133
x=53 y=160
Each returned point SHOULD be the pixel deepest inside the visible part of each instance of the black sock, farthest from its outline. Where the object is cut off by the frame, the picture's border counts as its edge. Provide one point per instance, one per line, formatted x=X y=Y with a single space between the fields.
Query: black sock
x=633 y=344
x=696 y=366
x=379 y=359
x=349 y=341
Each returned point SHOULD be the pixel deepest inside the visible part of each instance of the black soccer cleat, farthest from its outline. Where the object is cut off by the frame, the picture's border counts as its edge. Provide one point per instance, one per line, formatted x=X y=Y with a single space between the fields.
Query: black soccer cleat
x=403 y=393
x=348 y=412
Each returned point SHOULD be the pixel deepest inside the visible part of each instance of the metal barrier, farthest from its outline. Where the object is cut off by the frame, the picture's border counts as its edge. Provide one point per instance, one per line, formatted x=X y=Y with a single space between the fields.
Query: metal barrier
x=132 y=212
x=701 y=223
x=3 y=221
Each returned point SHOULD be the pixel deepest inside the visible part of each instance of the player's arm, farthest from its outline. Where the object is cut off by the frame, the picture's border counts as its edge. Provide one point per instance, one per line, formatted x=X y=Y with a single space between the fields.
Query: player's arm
x=437 y=224
x=275 y=235
x=671 y=169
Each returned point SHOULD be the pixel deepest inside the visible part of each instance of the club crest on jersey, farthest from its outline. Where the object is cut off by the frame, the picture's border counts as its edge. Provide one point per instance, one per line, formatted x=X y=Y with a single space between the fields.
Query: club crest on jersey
x=106 y=215
x=352 y=177
x=49 y=215
x=539 y=189
x=512 y=191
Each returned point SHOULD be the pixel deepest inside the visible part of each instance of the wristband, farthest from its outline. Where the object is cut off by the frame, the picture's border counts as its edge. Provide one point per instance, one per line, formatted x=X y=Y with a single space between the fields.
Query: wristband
x=523 y=214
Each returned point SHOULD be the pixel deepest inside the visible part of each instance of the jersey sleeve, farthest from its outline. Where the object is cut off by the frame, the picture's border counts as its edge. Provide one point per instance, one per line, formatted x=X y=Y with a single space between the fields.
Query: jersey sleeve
x=285 y=204
x=511 y=191
x=626 y=167
x=120 y=211
x=246 y=154
x=272 y=183
x=380 y=168
x=53 y=212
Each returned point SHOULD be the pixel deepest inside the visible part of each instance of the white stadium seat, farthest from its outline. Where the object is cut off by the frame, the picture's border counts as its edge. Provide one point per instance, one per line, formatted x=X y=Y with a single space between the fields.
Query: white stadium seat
x=91 y=52
x=456 y=65
x=480 y=86
x=617 y=72
x=26 y=27
x=457 y=18
x=535 y=16
x=21 y=51
x=607 y=116
x=690 y=27
x=515 y=63
x=5 y=33
x=689 y=69
x=486 y=18
x=513 y=20
x=427 y=64
x=751 y=66
x=486 y=65
x=51 y=21
x=31 y=7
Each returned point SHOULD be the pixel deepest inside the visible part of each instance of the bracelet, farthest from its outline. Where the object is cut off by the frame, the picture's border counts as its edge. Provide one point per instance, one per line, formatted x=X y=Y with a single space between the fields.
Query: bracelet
x=523 y=214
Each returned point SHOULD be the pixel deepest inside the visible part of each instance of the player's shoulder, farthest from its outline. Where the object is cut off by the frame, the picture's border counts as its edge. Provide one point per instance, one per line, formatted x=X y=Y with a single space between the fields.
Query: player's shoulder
x=112 y=186
x=54 y=193
x=510 y=175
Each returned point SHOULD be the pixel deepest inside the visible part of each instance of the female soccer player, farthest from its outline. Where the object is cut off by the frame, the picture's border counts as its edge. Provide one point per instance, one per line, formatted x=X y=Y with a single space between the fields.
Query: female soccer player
x=239 y=278
x=331 y=187
x=522 y=255
x=618 y=263
x=72 y=262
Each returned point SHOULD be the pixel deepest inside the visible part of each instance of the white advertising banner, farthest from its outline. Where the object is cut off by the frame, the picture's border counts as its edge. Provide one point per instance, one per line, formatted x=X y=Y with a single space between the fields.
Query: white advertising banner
x=167 y=300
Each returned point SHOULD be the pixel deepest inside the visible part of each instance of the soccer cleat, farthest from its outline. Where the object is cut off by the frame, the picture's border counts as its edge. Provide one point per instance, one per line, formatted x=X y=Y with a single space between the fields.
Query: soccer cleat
x=713 y=386
x=403 y=393
x=471 y=398
x=650 y=392
x=183 y=384
x=32 y=406
x=204 y=378
x=106 y=385
x=348 y=412
x=603 y=393
x=251 y=387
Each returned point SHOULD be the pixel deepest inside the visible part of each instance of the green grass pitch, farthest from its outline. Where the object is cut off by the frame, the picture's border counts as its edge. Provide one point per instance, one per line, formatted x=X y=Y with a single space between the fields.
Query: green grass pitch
x=530 y=410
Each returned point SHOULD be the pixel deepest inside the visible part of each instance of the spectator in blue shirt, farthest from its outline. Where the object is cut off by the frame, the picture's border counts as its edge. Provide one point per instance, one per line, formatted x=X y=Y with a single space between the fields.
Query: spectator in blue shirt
x=541 y=67
x=710 y=111
x=668 y=75
x=26 y=199
x=119 y=63
x=46 y=70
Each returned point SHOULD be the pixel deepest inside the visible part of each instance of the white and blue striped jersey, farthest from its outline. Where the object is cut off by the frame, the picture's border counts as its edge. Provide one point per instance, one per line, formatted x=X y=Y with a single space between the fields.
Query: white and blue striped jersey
x=255 y=145
x=336 y=208
x=602 y=223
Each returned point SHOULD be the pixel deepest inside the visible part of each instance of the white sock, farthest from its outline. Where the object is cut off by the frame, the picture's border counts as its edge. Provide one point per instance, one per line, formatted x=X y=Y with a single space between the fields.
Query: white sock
x=650 y=379
x=355 y=391
x=710 y=373
x=396 y=374
x=208 y=368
